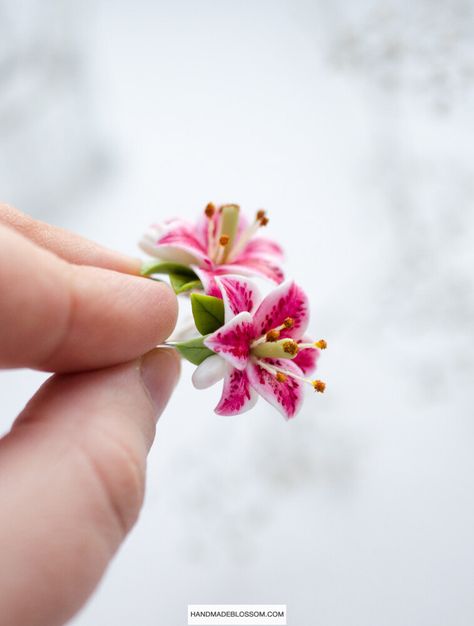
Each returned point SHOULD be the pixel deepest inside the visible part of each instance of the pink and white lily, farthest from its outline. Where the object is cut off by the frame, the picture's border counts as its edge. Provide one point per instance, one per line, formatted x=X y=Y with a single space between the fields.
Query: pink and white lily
x=221 y=242
x=260 y=349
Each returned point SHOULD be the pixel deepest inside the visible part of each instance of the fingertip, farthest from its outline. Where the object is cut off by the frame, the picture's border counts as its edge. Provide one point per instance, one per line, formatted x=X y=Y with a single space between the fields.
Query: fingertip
x=126 y=264
x=71 y=317
x=166 y=305
x=160 y=369
x=117 y=318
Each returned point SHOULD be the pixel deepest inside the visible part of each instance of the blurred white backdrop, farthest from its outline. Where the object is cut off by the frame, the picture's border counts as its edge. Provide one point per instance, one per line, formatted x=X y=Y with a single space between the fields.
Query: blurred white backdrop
x=352 y=124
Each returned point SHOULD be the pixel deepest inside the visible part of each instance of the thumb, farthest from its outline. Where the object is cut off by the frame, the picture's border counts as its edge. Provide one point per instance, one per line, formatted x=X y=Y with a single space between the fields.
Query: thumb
x=72 y=474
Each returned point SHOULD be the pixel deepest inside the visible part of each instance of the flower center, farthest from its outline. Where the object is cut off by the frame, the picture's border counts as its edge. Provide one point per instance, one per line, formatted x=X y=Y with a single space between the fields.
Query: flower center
x=274 y=334
x=270 y=346
x=280 y=349
x=224 y=244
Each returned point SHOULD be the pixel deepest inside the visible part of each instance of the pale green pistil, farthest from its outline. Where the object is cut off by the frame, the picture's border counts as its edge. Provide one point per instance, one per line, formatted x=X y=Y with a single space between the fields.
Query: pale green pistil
x=281 y=349
x=229 y=224
x=225 y=243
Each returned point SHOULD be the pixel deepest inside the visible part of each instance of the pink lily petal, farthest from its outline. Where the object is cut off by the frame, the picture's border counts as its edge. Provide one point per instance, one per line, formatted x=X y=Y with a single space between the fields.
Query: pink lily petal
x=239 y=294
x=179 y=241
x=285 y=396
x=202 y=228
x=257 y=266
x=287 y=300
x=207 y=277
x=237 y=395
x=209 y=372
x=306 y=359
x=232 y=341
x=261 y=246
x=148 y=242
x=182 y=246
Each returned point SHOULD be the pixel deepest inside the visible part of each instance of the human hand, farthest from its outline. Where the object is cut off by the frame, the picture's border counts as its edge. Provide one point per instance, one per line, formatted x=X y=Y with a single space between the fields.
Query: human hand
x=72 y=469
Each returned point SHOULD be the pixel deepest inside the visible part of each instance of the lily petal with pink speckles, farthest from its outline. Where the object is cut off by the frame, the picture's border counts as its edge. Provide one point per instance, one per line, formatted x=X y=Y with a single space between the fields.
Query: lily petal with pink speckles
x=287 y=300
x=208 y=280
x=232 y=341
x=286 y=396
x=239 y=294
x=208 y=277
x=237 y=394
x=306 y=360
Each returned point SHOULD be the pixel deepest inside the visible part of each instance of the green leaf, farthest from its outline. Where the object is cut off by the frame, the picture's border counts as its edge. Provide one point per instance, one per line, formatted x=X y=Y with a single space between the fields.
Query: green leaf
x=193 y=350
x=159 y=267
x=178 y=280
x=181 y=283
x=182 y=277
x=193 y=284
x=208 y=312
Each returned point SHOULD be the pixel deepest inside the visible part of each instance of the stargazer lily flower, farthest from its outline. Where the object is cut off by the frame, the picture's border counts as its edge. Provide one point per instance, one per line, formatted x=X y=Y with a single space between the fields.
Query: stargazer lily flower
x=221 y=242
x=260 y=349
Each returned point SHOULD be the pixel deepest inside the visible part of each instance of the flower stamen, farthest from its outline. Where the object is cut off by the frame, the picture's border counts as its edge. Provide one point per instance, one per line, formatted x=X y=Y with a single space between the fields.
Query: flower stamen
x=319 y=385
x=321 y=345
x=288 y=322
x=273 y=335
x=224 y=244
x=261 y=219
x=282 y=376
x=210 y=210
x=290 y=347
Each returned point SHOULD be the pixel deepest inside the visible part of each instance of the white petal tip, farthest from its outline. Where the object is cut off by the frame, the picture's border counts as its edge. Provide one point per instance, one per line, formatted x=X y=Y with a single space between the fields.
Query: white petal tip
x=209 y=372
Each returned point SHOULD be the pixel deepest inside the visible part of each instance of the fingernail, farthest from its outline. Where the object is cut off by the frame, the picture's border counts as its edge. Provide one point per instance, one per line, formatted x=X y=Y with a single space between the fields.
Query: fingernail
x=159 y=370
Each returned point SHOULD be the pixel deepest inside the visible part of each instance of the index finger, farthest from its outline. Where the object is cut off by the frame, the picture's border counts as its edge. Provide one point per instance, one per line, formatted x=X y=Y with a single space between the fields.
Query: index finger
x=67 y=245
x=57 y=316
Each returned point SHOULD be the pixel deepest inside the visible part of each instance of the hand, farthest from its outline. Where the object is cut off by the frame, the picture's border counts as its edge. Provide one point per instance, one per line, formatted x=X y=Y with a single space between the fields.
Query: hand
x=72 y=468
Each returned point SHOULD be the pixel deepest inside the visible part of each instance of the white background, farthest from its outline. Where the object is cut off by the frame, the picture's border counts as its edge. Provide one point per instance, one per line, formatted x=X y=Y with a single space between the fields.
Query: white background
x=352 y=124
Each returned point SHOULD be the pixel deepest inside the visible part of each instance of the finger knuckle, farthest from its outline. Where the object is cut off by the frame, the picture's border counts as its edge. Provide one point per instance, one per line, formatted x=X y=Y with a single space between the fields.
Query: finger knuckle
x=119 y=470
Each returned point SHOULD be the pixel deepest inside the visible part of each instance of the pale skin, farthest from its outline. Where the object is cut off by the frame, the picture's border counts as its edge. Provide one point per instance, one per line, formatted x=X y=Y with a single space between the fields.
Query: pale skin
x=72 y=468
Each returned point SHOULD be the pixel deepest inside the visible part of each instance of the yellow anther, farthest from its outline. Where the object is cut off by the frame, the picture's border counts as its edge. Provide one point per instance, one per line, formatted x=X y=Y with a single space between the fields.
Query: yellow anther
x=290 y=347
x=281 y=378
x=278 y=349
x=224 y=240
x=319 y=385
x=210 y=210
x=321 y=344
x=288 y=322
x=273 y=335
